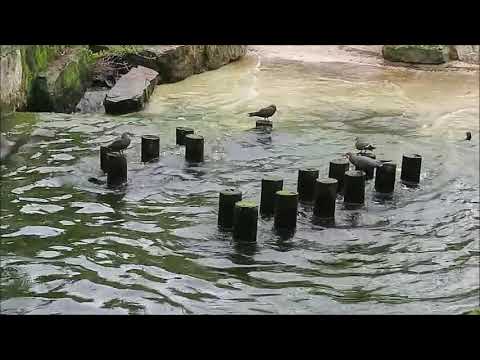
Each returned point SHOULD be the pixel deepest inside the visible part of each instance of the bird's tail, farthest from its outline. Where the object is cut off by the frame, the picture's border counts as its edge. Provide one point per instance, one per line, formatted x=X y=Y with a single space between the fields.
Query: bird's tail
x=253 y=114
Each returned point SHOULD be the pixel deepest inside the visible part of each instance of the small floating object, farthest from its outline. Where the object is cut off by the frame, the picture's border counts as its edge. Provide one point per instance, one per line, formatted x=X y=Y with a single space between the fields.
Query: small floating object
x=226 y=207
x=245 y=220
x=325 y=198
x=385 y=178
x=150 y=148
x=194 y=148
x=181 y=132
x=286 y=209
x=270 y=185
x=411 y=168
x=469 y=136
x=354 y=189
x=337 y=170
x=306 y=184
x=117 y=170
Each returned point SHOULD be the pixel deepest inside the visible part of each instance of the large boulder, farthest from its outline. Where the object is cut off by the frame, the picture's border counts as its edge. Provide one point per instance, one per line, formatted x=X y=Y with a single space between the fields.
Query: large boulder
x=131 y=92
x=177 y=62
x=466 y=53
x=19 y=66
x=417 y=54
x=62 y=85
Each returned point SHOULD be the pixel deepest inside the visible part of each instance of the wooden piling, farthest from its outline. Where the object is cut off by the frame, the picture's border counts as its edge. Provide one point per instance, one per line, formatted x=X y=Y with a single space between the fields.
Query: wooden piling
x=194 y=145
x=103 y=158
x=411 y=168
x=181 y=132
x=306 y=184
x=226 y=207
x=354 y=188
x=150 y=148
x=286 y=208
x=385 y=178
x=270 y=185
x=337 y=170
x=325 y=198
x=245 y=221
x=117 y=170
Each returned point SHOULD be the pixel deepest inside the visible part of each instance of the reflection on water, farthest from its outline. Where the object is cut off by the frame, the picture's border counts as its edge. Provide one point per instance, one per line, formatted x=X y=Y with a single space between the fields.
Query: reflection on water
x=70 y=246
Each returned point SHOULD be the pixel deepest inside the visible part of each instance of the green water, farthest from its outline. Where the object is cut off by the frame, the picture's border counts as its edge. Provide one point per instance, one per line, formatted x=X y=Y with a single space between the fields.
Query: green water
x=71 y=247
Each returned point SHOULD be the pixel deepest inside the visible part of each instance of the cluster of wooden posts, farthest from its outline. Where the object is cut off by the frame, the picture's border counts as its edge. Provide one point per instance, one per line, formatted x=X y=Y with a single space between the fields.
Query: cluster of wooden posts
x=241 y=217
x=115 y=164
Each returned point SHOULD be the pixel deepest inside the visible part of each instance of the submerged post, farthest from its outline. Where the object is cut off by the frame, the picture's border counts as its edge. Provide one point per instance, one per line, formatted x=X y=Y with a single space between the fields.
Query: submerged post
x=261 y=123
x=354 y=188
x=117 y=170
x=411 y=167
x=325 y=198
x=150 y=148
x=270 y=185
x=103 y=158
x=385 y=178
x=337 y=170
x=245 y=219
x=306 y=184
x=286 y=207
x=181 y=132
x=194 y=148
x=226 y=207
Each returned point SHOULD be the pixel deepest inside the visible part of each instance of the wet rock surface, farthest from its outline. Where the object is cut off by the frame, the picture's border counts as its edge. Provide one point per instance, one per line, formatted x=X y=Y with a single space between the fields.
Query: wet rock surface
x=177 y=62
x=92 y=101
x=62 y=85
x=131 y=92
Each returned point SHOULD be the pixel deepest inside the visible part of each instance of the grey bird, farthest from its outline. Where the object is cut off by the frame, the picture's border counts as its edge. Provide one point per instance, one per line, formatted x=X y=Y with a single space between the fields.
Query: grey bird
x=120 y=144
x=363 y=145
x=363 y=162
x=265 y=112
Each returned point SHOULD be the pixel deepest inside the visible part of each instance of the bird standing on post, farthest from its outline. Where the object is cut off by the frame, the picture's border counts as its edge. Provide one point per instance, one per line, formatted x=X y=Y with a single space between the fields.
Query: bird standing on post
x=120 y=144
x=469 y=135
x=363 y=145
x=363 y=162
x=265 y=112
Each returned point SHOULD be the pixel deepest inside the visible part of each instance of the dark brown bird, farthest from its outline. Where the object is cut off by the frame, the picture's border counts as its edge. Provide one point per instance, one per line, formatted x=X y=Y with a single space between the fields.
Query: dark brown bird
x=120 y=144
x=265 y=112
x=469 y=135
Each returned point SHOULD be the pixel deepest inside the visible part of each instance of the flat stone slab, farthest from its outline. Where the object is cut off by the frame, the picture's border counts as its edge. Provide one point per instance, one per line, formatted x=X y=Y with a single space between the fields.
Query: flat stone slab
x=131 y=91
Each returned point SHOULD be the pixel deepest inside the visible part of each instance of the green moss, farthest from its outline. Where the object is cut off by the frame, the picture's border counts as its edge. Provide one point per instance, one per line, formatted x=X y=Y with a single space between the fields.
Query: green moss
x=421 y=54
x=474 y=312
x=246 y=203
x=286 y=193
x=35 y=59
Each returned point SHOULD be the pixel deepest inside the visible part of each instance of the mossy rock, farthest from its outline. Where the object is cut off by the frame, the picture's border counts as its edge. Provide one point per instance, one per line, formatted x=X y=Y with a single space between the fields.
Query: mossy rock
x=62 y=85
x=417 y=54
x=474 y=312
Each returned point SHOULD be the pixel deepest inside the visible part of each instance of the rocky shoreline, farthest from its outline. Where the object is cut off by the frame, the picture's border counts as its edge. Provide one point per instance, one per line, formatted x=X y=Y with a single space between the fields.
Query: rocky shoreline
x=55 y=78
x=463 y=58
